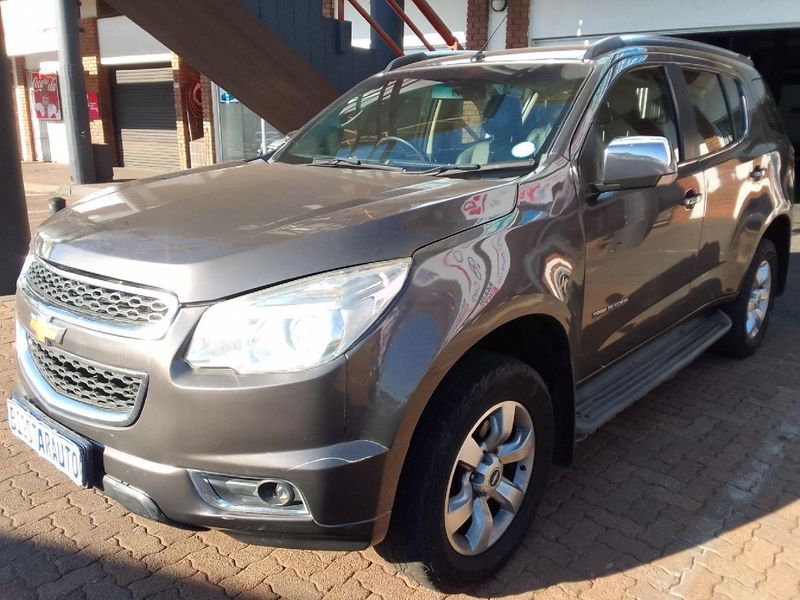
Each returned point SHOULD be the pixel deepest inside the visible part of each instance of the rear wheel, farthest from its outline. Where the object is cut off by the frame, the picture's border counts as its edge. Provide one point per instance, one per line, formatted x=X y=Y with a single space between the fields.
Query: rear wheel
x=474 y=474
x=751 y=309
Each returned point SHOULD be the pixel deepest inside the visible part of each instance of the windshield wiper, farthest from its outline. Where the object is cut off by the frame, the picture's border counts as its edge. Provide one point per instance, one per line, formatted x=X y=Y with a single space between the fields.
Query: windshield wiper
x=446 y=168
x=511 y=165
x=352 y=163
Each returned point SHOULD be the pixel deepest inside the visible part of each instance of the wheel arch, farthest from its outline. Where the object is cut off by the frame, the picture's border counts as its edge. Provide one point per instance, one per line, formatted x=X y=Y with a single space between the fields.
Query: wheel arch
x=779 y=232
x=541 y=341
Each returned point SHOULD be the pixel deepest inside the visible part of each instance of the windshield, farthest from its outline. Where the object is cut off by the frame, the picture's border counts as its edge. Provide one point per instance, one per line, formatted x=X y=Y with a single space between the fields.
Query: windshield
x=478 y=114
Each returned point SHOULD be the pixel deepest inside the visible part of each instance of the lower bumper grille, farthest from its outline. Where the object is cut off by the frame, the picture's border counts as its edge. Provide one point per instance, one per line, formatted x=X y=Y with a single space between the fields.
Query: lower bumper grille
x=107 y=388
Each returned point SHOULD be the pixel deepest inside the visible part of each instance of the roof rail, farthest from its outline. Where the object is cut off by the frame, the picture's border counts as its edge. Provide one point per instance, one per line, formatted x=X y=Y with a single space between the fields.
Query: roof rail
x=414 y=57
x=618 y=42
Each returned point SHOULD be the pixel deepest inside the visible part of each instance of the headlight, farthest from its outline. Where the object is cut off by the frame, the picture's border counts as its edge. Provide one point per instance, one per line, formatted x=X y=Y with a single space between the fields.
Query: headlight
x=296 y=325
x=25 y=266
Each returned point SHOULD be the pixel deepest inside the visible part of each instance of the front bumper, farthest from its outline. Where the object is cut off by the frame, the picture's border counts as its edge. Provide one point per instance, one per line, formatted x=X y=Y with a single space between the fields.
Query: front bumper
x=288 y=427
x=335 y=484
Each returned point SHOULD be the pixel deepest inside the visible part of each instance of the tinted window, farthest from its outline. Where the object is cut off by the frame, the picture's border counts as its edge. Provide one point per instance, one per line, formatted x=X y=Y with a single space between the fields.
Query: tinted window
x=639 y=103
x=734 y=97
x=710 y=111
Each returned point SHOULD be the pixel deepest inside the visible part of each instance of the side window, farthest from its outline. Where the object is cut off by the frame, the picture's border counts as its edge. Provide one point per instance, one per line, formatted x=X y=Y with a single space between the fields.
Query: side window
x=733 y=94
x=639 y=103
x=710 y=110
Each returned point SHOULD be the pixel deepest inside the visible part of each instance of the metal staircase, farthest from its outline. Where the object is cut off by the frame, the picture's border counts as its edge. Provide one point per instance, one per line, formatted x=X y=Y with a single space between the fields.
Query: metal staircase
x=281 y=58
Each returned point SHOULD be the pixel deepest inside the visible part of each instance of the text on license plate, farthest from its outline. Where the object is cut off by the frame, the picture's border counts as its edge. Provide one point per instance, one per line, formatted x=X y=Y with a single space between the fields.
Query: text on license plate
x=61 y=452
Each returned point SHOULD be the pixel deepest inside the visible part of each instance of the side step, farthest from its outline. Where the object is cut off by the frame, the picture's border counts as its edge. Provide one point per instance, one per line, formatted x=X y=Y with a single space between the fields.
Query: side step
x=623 y=383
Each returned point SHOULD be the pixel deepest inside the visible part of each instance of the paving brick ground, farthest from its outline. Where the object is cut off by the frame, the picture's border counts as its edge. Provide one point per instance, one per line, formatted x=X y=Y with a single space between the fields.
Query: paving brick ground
x=692 y=493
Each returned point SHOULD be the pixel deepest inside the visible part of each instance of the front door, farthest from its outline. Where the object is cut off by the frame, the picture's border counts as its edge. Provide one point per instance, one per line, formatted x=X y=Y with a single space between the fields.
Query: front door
x=642 y=244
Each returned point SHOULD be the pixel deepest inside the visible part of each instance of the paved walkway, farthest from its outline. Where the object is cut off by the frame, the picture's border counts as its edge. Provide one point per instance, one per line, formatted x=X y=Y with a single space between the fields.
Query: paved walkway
x=692 y=493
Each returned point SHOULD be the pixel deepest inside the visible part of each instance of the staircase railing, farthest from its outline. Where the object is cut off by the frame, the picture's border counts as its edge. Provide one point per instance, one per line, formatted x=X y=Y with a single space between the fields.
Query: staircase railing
x=424 y=7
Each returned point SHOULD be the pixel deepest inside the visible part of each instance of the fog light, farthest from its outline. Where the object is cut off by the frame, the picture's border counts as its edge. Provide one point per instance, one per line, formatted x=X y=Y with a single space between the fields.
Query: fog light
x=240 y=494
x=276 y=493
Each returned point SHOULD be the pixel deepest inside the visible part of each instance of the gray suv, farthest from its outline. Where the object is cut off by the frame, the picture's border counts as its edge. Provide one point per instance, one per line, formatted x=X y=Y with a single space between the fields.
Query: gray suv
x=389 y=329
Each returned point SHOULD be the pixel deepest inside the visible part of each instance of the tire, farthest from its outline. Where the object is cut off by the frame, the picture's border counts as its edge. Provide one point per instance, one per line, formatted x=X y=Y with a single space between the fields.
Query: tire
x=742 y=340
x=473 y=402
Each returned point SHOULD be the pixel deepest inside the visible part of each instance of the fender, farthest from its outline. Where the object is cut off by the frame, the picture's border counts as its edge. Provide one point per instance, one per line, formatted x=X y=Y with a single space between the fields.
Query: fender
x=460 y=290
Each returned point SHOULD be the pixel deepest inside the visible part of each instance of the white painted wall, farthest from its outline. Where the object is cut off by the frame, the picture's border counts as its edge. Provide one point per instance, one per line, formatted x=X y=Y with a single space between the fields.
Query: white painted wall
x=554 y=19
x=123 y=42
x=452 y=12
x=497 y=26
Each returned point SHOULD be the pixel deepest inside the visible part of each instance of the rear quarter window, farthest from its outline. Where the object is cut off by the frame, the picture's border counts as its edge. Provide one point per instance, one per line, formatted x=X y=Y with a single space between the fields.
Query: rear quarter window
x=714 y=122
x=733 y=96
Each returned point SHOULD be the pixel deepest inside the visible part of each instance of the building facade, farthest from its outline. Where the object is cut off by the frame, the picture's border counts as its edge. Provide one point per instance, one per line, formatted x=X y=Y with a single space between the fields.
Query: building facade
x=146 y=105
x=150 y=107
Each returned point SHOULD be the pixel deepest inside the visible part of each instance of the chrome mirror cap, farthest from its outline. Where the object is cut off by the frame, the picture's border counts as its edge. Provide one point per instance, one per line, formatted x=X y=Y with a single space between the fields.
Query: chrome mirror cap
x=637 y=162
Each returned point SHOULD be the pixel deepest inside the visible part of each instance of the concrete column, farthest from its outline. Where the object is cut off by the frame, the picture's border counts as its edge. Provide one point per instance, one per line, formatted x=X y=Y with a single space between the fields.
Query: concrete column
x=73 y=87
x=14 y=229
x=392 y=24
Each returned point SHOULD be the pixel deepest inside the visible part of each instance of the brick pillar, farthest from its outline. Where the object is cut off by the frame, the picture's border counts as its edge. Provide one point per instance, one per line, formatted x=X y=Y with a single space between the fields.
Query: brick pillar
x=477 y=23
x=328 y=9
x=208 y=121
x=183 y=76
x=518 y=22
x=19 y=83
x=96 y=79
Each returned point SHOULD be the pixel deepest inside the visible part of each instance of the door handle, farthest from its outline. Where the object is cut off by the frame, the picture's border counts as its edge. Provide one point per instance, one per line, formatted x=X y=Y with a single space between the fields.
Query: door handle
x=758 y=173
x=691 y=199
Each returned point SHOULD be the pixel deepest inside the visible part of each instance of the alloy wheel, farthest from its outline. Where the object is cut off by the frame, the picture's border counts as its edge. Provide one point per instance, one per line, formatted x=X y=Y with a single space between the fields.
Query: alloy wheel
x=490 y=477
x=758 y=304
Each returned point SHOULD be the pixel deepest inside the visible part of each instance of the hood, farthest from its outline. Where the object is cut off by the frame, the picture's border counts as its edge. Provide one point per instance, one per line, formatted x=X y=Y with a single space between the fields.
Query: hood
x=217 y=232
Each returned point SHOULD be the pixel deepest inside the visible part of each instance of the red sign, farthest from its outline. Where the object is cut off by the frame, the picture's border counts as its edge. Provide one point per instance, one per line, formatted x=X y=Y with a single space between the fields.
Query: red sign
x=46 y=101
x=93 y=102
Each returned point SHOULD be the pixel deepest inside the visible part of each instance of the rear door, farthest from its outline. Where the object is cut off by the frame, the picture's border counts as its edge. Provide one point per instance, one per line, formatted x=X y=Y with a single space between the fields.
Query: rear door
x=737 y=175
x=641 y=245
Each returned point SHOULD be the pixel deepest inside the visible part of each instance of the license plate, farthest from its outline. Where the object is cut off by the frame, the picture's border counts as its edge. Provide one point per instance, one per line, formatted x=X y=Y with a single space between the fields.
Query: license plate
x=64 y=452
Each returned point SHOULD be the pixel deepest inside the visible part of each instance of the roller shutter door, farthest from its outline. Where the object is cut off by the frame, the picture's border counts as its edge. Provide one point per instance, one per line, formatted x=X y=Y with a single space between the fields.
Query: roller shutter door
x=144 y=114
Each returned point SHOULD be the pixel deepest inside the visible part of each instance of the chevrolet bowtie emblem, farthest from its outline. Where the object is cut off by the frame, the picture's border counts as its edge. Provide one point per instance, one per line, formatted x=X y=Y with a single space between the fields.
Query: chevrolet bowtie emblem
x=44 y=331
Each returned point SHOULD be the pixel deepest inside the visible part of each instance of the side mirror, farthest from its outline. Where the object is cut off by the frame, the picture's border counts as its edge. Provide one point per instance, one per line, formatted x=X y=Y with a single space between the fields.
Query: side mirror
x=637 y=162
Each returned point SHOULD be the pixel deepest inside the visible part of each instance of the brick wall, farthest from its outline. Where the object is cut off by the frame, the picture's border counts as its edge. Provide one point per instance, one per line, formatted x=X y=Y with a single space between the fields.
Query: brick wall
x=518 y=18
x=208 y=120
x=183 y=76
x=517 y=26
x=477 y=23
x=22 y=106
x=96 y=79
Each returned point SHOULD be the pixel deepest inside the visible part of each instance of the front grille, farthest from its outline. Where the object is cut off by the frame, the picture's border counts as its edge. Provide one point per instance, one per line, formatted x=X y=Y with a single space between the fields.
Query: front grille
x=93 y=384
x=109 y=303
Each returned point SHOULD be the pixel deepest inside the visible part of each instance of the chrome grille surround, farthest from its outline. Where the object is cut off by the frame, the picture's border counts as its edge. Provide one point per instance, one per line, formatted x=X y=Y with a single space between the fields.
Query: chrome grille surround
x=108 y=306
x=74 y=386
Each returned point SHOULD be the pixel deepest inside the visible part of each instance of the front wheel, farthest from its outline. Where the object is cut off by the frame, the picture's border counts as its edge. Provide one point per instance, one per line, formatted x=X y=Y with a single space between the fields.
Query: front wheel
x=474 y=474
x=751 y=309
